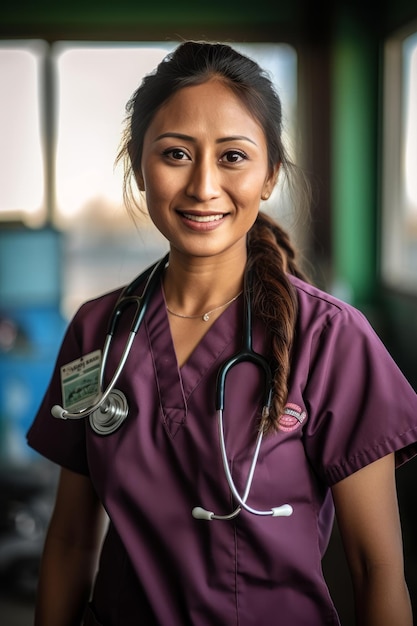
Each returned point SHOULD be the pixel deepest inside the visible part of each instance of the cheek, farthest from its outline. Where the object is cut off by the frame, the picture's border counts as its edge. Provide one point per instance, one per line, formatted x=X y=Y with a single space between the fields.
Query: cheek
x=250 y=185
x=248 y=195
x=157 y=195
x=155 y=209
x=160 y=188
x=159 y=202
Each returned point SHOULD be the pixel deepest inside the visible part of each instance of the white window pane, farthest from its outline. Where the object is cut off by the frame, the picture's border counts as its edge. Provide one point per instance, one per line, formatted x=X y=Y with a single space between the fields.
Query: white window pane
x=21 y=163
x=94 y=85
x=399 y=234
x=410 y=129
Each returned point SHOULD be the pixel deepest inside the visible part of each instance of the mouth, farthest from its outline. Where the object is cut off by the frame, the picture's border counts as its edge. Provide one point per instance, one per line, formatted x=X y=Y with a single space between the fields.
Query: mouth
x=203 y=219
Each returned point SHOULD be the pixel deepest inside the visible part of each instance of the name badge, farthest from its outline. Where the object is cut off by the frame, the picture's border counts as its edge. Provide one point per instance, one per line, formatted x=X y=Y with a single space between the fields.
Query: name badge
x=80 y=381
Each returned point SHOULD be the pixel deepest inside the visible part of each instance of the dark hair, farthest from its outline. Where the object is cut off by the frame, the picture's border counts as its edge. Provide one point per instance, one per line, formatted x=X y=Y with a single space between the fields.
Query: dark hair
x=270 y=254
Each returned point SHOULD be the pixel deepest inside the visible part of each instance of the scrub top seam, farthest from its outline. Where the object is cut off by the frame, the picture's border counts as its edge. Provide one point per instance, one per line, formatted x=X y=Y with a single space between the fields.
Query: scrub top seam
x=354 y=463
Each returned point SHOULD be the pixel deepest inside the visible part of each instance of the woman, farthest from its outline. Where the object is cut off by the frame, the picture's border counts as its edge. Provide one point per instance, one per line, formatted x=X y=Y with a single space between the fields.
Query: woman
x=203 y=143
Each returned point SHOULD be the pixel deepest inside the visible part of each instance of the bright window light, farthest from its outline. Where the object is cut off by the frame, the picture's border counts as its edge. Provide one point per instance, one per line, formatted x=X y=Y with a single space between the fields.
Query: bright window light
x=399 y=227
x=22 y=196
x=94 y=83
x=410 y=130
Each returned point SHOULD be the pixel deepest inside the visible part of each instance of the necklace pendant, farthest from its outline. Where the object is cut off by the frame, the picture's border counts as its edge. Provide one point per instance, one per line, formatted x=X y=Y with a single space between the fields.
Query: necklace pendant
x=206 y=317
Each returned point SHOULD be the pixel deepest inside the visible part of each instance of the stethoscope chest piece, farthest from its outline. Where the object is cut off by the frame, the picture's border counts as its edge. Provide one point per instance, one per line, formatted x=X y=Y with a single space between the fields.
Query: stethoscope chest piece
x=111 y=414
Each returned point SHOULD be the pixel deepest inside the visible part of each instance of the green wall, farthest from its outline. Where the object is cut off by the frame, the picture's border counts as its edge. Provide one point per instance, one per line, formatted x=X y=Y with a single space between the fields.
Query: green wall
x=354 y=157
x=136 y=19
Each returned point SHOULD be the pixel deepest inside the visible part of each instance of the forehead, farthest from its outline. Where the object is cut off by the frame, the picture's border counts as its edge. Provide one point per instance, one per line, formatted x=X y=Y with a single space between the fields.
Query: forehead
x=213 y=104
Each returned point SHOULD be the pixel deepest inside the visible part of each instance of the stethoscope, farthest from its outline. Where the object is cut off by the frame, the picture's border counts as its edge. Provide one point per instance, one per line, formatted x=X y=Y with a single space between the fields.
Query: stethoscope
x=110 y=408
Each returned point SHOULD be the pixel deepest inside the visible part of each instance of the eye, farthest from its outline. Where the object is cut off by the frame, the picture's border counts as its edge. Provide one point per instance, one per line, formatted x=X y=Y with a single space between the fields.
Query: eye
x=176 y=153
x=233 y=156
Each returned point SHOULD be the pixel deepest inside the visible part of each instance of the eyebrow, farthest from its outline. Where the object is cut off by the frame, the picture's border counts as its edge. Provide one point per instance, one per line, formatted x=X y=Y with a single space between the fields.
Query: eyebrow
x=192 y=139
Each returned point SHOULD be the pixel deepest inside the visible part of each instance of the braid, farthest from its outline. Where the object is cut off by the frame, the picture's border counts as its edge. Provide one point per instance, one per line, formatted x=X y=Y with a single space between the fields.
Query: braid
x=270 y=258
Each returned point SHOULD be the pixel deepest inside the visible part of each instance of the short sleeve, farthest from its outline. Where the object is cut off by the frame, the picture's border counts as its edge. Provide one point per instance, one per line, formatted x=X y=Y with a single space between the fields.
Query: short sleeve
x=61 y=441
x=360 y=405
x=64 y=441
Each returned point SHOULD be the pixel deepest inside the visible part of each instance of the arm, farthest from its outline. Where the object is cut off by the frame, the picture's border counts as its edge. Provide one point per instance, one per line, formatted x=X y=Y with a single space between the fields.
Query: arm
x=367 y=514
x=70 y=553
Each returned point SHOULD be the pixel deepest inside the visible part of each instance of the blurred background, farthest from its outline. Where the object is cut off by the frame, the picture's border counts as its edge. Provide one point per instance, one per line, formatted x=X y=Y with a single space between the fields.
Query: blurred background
x=347 y=77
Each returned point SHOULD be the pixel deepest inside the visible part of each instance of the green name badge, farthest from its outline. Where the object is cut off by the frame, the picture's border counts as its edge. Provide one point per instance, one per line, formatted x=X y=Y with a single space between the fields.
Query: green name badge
x=80 y=381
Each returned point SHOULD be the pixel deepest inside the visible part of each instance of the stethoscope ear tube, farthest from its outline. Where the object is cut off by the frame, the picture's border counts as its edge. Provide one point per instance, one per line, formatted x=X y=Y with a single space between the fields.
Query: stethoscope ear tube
x=198 y=512
x=247 y=354
x=151 y=275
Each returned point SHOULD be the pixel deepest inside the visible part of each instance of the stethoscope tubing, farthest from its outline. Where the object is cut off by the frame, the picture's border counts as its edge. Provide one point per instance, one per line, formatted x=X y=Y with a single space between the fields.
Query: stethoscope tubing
x=246 y=354
x=199 y=512
x=126 y=299
x=114 y=402
x=240 y=499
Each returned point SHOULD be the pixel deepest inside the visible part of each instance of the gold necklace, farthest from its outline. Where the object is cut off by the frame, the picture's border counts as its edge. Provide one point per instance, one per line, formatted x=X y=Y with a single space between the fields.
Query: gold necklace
x=205 y=316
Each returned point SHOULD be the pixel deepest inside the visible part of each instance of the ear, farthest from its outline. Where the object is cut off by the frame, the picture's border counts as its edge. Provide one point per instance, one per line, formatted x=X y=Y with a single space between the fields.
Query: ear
x=270 y=182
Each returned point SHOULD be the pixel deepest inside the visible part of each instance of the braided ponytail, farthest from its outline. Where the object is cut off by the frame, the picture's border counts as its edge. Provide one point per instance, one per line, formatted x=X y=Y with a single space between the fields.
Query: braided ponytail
x=271 y=258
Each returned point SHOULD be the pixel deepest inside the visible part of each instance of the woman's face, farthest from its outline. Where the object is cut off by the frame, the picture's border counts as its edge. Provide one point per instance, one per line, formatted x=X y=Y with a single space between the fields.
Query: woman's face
x=204 y=170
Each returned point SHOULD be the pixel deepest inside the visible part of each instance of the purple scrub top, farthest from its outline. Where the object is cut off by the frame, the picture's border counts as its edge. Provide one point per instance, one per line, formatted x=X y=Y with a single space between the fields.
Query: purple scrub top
x=348 y=405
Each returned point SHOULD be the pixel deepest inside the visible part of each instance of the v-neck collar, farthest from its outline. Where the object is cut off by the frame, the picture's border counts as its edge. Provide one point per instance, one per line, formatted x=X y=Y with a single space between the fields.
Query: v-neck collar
x=176 y=385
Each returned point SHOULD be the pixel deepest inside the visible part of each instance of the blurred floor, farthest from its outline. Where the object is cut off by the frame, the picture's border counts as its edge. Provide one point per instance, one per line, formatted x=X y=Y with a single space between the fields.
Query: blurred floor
x=15 y=611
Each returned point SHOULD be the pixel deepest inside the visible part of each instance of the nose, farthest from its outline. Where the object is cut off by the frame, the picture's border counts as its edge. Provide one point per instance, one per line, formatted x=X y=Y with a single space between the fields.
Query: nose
x=204 y=183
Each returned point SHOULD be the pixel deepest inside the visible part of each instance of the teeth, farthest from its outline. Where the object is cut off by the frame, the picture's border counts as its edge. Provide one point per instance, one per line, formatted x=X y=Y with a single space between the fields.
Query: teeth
x=203 y=218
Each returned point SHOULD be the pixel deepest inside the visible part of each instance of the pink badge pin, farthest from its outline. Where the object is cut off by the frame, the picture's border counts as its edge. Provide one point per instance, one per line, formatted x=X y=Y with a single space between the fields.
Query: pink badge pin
x=291 y=418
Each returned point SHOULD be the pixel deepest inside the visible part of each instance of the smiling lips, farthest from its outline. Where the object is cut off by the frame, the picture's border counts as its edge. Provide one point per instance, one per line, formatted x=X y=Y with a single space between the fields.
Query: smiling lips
x=203 y=218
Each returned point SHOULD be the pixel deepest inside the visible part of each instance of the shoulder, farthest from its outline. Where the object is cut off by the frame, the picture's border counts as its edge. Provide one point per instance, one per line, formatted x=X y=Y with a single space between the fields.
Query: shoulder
x=93 y=315
x=322 y=310
x=103 y=305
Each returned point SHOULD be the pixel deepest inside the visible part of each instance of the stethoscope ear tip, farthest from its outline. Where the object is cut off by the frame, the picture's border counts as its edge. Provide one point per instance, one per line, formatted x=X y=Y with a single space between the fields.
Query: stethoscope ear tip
x=58 y=412
x=282 y=511
x=199 y=513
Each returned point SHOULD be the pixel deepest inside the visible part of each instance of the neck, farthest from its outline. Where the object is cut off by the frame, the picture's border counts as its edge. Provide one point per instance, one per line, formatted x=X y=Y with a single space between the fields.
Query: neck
x=206 y=315
x=194 y=288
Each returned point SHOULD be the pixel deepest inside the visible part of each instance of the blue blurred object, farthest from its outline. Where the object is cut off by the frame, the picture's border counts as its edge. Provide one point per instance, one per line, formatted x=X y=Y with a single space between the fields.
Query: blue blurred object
x=31 y=329
x=30 y=266
x=25 y=370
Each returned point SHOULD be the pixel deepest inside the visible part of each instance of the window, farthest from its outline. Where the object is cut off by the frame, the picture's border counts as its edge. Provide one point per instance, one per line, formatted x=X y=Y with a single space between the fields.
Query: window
x=22 y=184
x=399 y=228
x=94 y=83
